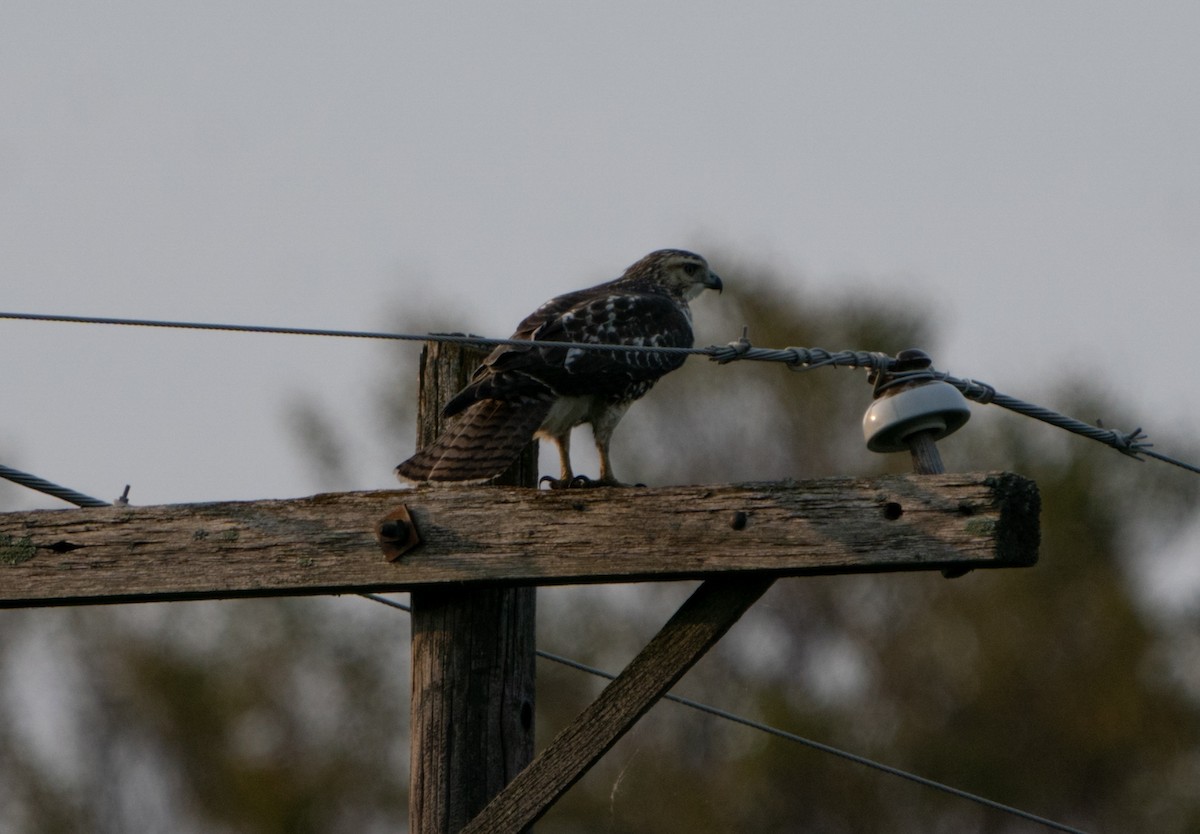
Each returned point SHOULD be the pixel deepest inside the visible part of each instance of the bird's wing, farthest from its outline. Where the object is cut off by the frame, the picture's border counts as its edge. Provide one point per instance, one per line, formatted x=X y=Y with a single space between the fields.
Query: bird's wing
x=600 y=315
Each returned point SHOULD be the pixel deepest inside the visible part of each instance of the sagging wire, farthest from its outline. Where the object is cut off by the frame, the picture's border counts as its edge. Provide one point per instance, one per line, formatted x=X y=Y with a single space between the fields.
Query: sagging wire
x=792 y=737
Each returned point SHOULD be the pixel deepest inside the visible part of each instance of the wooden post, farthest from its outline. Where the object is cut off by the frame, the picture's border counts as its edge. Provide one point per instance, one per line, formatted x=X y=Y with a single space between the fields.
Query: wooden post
x=926 y=458
x=472 y=658
x=710 y=612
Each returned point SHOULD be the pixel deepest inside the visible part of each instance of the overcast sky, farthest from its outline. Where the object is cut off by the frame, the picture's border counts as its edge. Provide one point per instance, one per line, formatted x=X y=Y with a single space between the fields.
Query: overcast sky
x=1029 y=170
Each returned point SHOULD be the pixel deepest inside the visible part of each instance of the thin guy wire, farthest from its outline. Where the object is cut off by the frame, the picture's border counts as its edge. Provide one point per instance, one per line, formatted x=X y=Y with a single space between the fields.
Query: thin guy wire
x=784 y=734
x=42 y=485
x=796 y=358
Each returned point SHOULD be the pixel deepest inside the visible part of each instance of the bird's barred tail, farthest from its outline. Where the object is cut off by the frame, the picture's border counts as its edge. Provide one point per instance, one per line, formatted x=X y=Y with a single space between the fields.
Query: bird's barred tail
x=480 y=443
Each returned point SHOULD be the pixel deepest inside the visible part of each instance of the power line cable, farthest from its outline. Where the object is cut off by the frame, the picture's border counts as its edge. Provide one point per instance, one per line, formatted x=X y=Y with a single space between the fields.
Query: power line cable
x=44 y=486
x=792 y=737
x=1132 y=444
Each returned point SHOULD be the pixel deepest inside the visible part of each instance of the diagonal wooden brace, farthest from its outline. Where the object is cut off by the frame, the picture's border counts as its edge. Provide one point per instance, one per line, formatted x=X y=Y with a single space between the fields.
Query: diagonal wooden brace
x=711 y=610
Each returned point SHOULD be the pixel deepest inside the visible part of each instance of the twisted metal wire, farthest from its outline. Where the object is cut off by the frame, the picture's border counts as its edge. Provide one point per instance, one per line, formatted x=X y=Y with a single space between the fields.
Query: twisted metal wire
x=42 y=485
x=1132 y=443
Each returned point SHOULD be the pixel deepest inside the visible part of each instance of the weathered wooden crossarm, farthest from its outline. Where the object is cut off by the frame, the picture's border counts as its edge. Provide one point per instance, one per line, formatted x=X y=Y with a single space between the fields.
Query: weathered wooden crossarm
x=327 y=543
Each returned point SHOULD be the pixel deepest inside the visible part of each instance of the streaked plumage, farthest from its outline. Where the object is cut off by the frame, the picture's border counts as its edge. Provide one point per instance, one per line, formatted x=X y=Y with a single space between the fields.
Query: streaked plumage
x=524 y=391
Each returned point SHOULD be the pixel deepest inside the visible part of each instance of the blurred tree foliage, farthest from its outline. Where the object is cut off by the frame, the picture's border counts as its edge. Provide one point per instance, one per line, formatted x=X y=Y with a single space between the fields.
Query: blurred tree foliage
x=1056 y=689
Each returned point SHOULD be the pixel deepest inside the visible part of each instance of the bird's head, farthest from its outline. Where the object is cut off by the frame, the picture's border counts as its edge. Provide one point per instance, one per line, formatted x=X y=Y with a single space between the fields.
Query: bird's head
x=681 y=273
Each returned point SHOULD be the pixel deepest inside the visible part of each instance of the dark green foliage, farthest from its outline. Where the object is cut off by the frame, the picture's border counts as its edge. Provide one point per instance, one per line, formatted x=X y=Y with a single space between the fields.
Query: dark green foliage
x=1057 y=689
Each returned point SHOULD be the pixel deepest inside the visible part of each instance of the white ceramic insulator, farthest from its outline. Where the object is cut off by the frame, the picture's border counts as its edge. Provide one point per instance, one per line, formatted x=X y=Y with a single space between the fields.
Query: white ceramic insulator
x=933 y=406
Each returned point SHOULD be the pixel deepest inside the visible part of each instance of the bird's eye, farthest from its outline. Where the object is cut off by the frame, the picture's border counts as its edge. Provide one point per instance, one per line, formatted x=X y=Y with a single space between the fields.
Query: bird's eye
x=691 y=269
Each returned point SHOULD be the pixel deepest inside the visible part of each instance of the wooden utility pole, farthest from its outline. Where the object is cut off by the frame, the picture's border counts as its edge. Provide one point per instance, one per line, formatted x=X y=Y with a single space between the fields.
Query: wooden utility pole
x=698 y=625
x=473 y=539
x=472 y=656
x=471 y=557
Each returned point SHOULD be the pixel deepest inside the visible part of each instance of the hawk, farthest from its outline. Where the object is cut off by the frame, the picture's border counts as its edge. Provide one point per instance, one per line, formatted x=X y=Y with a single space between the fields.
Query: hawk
x=526 y=391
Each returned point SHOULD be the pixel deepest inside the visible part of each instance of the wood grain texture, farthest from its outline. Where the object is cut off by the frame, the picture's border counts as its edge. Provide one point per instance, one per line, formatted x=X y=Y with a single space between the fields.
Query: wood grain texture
x=472 y=708
x=711 y=610
x=326 y=543
x=473 y=656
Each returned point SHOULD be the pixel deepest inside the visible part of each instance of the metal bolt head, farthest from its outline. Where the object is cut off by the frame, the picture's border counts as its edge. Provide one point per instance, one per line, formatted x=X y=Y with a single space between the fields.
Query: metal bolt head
x=396 y=533
x=393 y=530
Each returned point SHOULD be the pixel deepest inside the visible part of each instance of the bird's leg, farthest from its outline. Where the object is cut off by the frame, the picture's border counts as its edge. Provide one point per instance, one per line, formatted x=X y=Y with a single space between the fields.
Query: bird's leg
x=564 y=456
x=602 y=429
x=606 y=472
x=607 y=478
x=566 y=473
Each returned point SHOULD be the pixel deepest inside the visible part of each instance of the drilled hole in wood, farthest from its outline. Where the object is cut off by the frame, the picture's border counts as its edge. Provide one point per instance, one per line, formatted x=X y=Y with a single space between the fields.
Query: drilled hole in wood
x=892 y=511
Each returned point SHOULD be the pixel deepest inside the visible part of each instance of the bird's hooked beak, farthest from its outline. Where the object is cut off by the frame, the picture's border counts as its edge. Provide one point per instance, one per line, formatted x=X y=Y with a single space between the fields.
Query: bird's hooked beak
x=713 y=282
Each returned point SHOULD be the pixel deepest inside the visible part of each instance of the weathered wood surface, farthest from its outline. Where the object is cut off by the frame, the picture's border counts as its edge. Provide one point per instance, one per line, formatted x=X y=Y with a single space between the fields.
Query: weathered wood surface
x=326 y=543
x=711 y=610
x=472 y=707
x=473 y=657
